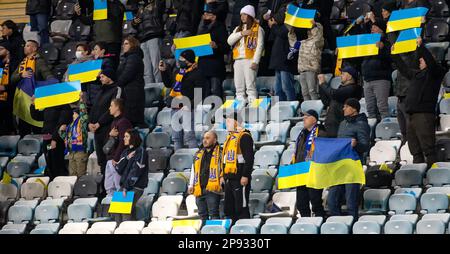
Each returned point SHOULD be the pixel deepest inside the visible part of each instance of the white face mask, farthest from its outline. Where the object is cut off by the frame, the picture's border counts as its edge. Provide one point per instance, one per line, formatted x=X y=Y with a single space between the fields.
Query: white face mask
x=79 y=54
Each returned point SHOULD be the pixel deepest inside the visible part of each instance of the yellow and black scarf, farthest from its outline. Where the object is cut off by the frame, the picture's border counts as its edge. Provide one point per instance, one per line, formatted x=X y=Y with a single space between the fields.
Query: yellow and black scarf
x=231 y=151
x=215 y=172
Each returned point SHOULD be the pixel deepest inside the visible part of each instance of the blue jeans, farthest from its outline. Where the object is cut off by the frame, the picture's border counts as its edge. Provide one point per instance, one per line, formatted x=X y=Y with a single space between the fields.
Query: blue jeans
x=208 y=206
x=39 y=23
x=284 y=86
x=187 y=133
x=337 y=193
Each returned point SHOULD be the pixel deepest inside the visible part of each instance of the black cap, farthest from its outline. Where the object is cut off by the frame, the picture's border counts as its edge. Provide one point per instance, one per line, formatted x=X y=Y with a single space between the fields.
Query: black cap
x=354 y=103
x=189 y=55
x=312 y=112
x=389 y=6
x=211 y=8
x=234 y=115
x=110 y=73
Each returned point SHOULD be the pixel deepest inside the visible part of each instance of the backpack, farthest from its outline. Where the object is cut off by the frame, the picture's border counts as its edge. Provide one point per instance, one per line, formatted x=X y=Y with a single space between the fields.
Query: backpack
x=376 y=178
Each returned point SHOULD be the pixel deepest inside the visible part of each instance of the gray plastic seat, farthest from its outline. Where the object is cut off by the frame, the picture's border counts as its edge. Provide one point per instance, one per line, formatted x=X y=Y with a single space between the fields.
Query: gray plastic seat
x=164 y=117
x=92 y=202
x=53 y=227
x=295 y=132
x=402 y=203
x=41 y=231
x=347 y=220
x=18 y=169
x=266 y=159
x=257 y=203
x=9 y=232
x=379 y=219
x=277 y=148
x=32 y=190
x=444 y=217
x=144 y=207
x=157 y=140
x=281 y=112
x=8 y=192
x=19 y=214
x=280 y=220
x=180 y=162
x=261 y=183
x=334 y=228
x=150 y=116
x=438 y=177
x=58 y=190
x=315 y=105
x=286 y=158
x=174 y=185
x=312 y=220
x=366 y=227
x=398 y=227
x=408 y=177
x=387 y=130
x=243 y=229
x=29 y=146
x=304 y=228
x=278 y=229
x=376 y=200
x=8 y=145
x=79 y=212
x=213 y=230
x=156 y=176
x=152 y=187
x=434 y=203
x=430 y=227
x=253 y=222
x=417 y=192
x=46 y=214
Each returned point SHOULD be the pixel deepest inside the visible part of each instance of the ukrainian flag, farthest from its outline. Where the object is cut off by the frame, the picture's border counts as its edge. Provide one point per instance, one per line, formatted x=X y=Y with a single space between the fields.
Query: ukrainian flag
x=232 y=104
x=357 y=45
x=200 y=44
x=85 y=72
x=298 y=17
x=407 y=41
x=334 y=162
x=100 y=9
x=294 y=175
x=57 y=94
x=263 y=103
x=1 y=74
x=405 y=19
x=128 y=16
x=120 y=204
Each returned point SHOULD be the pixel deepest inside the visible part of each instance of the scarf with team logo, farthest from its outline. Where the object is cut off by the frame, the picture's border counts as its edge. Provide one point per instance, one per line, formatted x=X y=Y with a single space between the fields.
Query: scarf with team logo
x=215 y=172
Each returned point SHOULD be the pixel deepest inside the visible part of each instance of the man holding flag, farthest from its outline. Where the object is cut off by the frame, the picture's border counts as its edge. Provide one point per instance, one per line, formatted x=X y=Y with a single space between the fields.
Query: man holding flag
x=356 y=127
x=304 y=148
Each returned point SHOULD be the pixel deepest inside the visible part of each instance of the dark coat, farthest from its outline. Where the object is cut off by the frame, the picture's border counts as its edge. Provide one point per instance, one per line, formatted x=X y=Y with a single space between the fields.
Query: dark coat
x=16 y=44
x=133 y=171
x=280 y=49
x=131 y=78
x=152 y=25
x=122 y=125
x=38 y=7
x=378 y=67
x=214 y=65
x=42 y=71
x=100 y=109
x=300 y=143
x=356 y=127
x=425 y=84
x=53 y=118
x=336 y=98
x=110 y=30
x=189 y=13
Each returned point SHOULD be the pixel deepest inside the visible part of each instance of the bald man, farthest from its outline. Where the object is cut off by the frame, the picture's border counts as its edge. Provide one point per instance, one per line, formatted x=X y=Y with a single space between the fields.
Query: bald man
x=207 y=177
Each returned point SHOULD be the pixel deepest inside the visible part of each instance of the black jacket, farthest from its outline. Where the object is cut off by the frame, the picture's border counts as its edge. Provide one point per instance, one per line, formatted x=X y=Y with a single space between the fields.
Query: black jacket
x=134 y=171
x=189 y=13
x=38 y=7
x=378 y=67
x=191 y=80
x=100 y=109
x=122 y=124
x=131 y=78
x=280 y=49
x=358 y=128
x=244 y=169
x=300 y=143
x=16 y=44
x=152 y=25
x=214 y=65
x=53 y=118
x=110 y=30
x=424 y=86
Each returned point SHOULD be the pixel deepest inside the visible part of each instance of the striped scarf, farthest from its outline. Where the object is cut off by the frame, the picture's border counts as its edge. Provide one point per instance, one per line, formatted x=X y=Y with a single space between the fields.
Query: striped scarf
x=29 y=63
x=4 y=82
x=176 y=90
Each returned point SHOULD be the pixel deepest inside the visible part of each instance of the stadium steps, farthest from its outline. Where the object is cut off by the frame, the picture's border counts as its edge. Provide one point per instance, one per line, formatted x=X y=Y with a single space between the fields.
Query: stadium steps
x=14 y=10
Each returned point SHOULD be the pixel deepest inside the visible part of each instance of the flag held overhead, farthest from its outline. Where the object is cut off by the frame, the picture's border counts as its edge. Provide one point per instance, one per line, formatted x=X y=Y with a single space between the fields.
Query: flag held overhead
x=85 y=72
x=357 y=45
x=298 y=17
x=200 y=44
x=406 y=19
x=100 y=10
x=407 y=41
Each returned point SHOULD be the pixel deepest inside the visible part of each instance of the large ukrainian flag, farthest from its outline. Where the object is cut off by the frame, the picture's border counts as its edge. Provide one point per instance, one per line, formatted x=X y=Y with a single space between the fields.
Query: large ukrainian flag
x=406 y=19
x=85 y=72
x=294 y=175
x=57 y=94
x=200 y=44
x=334 y=162
x=357 y=45
x=100 y=10
x=407 y=41
x=298 y=17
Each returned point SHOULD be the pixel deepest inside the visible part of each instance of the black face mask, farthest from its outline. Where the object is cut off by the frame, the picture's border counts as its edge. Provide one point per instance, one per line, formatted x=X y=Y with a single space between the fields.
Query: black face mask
x=207 y=22
x=183 y=64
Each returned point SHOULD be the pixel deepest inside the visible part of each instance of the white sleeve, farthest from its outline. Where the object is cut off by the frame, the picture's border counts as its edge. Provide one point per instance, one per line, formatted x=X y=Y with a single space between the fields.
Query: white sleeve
x=191 y=178
x=234 y=37
x=260 y=46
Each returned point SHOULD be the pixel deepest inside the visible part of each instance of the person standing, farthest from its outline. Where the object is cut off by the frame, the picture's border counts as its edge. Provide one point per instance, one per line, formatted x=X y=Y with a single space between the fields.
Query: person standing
x=213 y=66
x=207 y=177
x=247 y=41
x=304 y=149
x=10 y=34
x=39 y=11
x=150 y=27
x=6 y=89
x=238 y=159
x=356 y=127
x=189 y=14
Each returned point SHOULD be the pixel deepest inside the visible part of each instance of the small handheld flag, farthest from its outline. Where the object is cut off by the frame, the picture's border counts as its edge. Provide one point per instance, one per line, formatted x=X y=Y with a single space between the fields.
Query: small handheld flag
x=357 y=45
x=100 y=10
x=121 y=204
x=298 y=17
x=406 y=41
x=200 y=44
x=57 y=94
x=85 y=72
x=294 y=175
x=406 y=19
x=128 y=15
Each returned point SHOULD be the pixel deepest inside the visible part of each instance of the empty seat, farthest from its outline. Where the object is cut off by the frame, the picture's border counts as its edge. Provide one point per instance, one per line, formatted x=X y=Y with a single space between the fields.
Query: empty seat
x=266 y=159
x=358 y=8
x=92 y=202
x=18 y=169
x=281 y=112
x=68 y=52
x=33 y=188
x=430 y=227
x=334 y=228
x=50 y=53
x=41 y=231
x=79 y=31
x=286 y=158
x=387 y=130
x=166 y=206
x=257 y=203
x=174 y=185
x=243 y=229
x=274 y=228
x=180 y=162
x=285 y=201
x=104 y=227
x=10 y=228
x=8 y=145
x=434 y=203
x=398 y=227
x=382 y=153
x=405 y=154
x=413 y=218
x=59 y=30
x=402 y=203
x=438 y=177
x=79 y=212
x=408 y=177
x=379 y=219
x=262 y=183
x=46 y=214
x=366 y=227
x=133 y=225
x=150 y=116
x=75 y=228
x=86 y=186
x=416 y=192
x=184 y=230
x=213 y=230
x=158 y=227
x=158 y=159
x=376 y=200
x=436 y=31
x=315 y=105
x=20 y=214
x=347 y=220
x=444 y=217
x=439 y=8
x=304 y=228
x=29 y=146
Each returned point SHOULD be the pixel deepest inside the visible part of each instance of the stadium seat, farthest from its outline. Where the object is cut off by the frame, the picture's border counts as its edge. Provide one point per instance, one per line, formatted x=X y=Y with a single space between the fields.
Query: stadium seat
x=444 y=190
x=358 y=8
x=281 y=112
x=347 y=220
x=277 y=148
x=130 y=227
x=49 y=52
x=274 y=228
x=295 y=132
x=106 y=227
x=276 y=134
x=30 y=35
x=128 y=29
x=416 y=192
x=398 y=227
x=59 y=190
x=59 y=30
x=392 y=104
x=444 y=106
x=439 y=49
x=382 y=153
x=264 y=85
x=444 y=217
x=174 y=186
x=85 y=187
x=184 y=230
x=261 y=183
x=443 y=149
x=436 y=31
x=405 y=154
x=156 y=176
x=192 y=210
x=285 y=201
x=41 y=231
x=243 y=229
x=376 y=200
x=387 y=130
x=9 y=228
x=256 y=223
x=413 y=218
x=34 y=188
x=92 y=202
x=8 y=192
x=181 y=162
x=9 y=232
x=79 y=31
x=366 y=227
x=46 y=214
x=334 y=228
x=438 y=177
x=20 y=214
x=430 y=227
x=304 y=228
x=438 y=9
x=257 y=203
x=286 y=158
x=335 y=82
x=402 y=204
x=434 y=203
x=379 y=219
x=79 y=212
x=68 y=52
x=150 y=117
x=315 y=105
x=266 y=159
x=408 y=177
x=166 y=206
x=213 y=230
x=158 y=227
x=74 y=228
x=445 y=122
x=52 y=227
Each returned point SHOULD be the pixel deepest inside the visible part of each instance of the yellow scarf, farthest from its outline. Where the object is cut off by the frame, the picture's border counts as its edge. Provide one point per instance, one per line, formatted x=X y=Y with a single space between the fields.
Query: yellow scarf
x=251 y=42
x=28 y=63
x=176 y=90
x=231 y=150
x=4 y=82
x=215 y=172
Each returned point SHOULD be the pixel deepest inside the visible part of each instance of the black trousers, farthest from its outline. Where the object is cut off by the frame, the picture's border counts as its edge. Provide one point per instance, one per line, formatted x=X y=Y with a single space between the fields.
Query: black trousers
x=26 y=128
x=403 y=119
x=306 y=195
x=56 y=165
x=6 y=119
x=237 y=198
x=421 y=138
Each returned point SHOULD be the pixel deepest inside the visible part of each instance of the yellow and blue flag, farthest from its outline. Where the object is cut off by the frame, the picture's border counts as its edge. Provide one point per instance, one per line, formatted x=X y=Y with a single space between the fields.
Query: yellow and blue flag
x=85 y=72
x=100 y=9
x=1 y=74
x=128 y=16
x=57 y=94
x=357 y=45
x=263 y=103
x=298 y=17
x=294 y=175
x=200 y=44
x=334 y=162
x=121 y=204
x=405 y=19
x=197 y=224
x=224 y=223
x=406 y=41
x=232 y=104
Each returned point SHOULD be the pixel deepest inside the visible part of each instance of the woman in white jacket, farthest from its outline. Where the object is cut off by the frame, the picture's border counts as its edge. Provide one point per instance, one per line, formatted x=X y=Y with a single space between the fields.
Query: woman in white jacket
x=247 y=41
